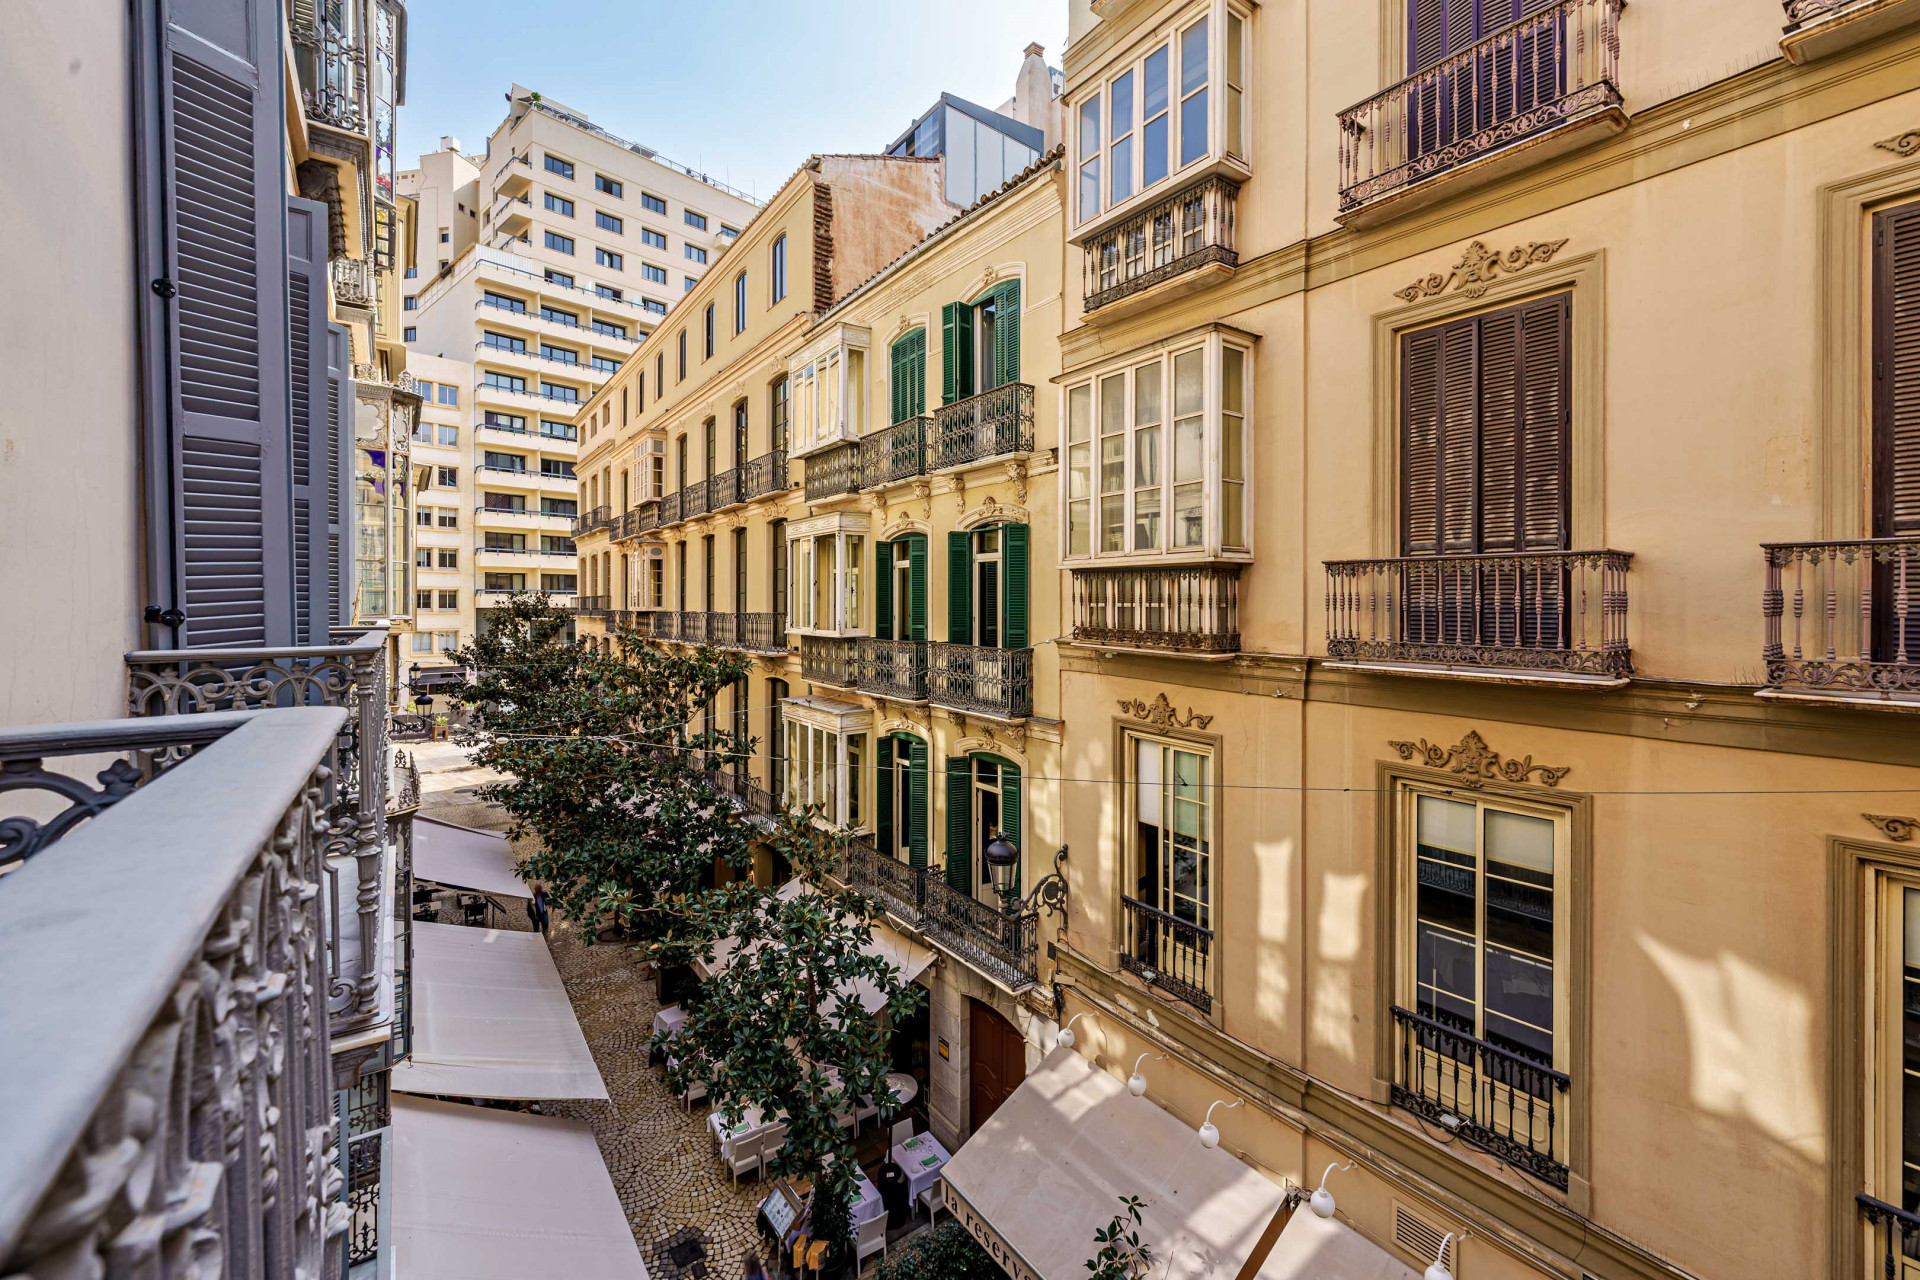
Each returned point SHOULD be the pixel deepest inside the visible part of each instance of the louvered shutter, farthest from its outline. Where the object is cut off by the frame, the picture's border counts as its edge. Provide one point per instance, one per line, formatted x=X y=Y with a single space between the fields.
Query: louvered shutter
x=1546 y=424
x=916 y=374
x=883 y=798
x=1500 y=450
x=311 y=445
x=883 y=591
x=339 y=491
x=1010 y=811
x=1420 y=443
x=960 y=824
x=1459 y=436
x=1896 y=369
x=1014 y=579
x=916 y=817
x=213 y=236
x=959 y=587
x=956 y=352
x=917 y=584
x=1006 y=334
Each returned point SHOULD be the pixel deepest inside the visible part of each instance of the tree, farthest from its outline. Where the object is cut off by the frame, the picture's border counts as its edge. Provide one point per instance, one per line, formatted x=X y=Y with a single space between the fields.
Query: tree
x=782 y=1028
x=1121 y=1255
x=946 y=1252
x=601 y=765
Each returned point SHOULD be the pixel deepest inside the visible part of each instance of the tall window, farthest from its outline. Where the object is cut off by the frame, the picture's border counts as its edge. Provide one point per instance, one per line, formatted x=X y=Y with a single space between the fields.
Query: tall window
x=740 y=303
x=740 y=433
x=777 y=415
x=983 y=801
x=739 y=571
x=680 y=575
x=707 y=567
x=710 y=436
x=707 y=349
x=1172 y=863
x=777 y=263
x=1895 y=464
x=980 y=343
x=908 y=383
x=825 y=767
x=682 y=344
x=987 y=574
x=900 y=588
x=901 y=798
x=777 y=532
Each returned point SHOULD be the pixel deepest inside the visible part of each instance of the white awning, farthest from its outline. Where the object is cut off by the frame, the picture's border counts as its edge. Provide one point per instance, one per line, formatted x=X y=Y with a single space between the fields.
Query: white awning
x=464 y=858
x=909 y=957
x=1052 y=1163
x=491 y=1019
x=496 y=1195
x=1316 y=1248
x=723 y=950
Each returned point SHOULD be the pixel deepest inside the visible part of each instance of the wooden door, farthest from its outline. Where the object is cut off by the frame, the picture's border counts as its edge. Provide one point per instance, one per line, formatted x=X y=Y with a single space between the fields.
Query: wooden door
x=998 y=1061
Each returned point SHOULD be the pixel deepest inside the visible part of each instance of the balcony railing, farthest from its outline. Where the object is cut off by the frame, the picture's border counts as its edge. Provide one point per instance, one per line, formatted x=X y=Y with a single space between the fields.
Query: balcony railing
x=1555 y=66
x=891 y=668
x=1896 y=1235
x=353 y=283
x=1193 y=609
x=724 y=490
x=833 y=472
x=169 y=1102
x=593 y=606
x=897 y=453
x=764 y=475
x=1504 y=1102
x=1184 y=232
x=662 y=624
x=333 y=75
x=588 y=522
x=670 y=508
x=170 y=682
x=1561 y=612
x=696 y=499
x=1843 y=618
x=830 y=660
x=994 y=682
x=976 y=932
x=1168 y=952
x=985 y=426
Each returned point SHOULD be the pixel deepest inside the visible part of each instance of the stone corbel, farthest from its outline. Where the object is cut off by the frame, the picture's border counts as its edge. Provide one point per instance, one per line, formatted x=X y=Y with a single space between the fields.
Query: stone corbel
x=1017 y=476
x=923 y=490
x=957 y=486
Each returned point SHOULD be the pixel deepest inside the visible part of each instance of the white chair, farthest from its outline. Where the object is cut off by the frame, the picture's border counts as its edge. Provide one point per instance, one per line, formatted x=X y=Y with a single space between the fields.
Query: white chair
x=772 y=1138
x=902 y=1130
x=749 y=1154
x=935 y=1200
x=870 y=1239
x=694 y=1093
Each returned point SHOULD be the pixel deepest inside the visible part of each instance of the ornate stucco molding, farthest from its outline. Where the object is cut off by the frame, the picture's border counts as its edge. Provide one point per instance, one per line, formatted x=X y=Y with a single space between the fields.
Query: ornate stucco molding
x=1901 y=144
x=1479 y=267
x=992 y=512
x=1475 y=764
x=923 y=490
x=1899 y=830
x=1160 y=713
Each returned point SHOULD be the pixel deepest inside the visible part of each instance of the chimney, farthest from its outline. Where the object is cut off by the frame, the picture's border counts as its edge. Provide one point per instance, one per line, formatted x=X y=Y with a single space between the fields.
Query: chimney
x=1033 y=101
x=449 y=143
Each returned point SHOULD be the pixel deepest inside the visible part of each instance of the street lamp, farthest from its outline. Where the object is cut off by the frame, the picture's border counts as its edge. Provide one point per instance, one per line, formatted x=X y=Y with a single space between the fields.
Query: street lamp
x=1003 y=865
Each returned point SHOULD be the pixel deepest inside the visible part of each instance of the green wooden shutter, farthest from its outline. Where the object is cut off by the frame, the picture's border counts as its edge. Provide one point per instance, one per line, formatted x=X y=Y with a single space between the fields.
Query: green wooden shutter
x=1013 y=574
x=1010 y=811
x=883 y=591
x=883 y=799
x=909 y=385
x=916 y=818
x=956 y=351
x=959 y=587
x=959 y=824
x=917 y=585
x=1006 y=334
x=897 y=383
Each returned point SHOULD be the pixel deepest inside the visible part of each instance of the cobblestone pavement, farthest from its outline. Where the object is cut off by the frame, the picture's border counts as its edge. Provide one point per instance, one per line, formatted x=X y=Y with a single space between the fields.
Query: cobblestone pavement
x=661 y=1157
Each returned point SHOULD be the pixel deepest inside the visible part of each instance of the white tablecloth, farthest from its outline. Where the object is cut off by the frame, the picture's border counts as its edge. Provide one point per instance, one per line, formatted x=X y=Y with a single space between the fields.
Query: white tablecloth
x=752 y=1124
x=921 y=1156
x=904 y=1087
x=866 y=1201
x=669 y=1019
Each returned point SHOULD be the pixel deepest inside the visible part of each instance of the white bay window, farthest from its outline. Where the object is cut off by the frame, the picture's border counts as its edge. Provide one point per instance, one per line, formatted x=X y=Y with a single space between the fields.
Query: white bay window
x=826 y=759
x=824 y=580
x=828 y=385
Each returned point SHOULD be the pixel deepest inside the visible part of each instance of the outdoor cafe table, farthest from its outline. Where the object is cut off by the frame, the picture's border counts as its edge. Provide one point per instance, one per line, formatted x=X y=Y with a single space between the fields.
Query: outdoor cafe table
x=866 y=1200
x=670 y=1019
x=922 y=1157
x=751 y=1124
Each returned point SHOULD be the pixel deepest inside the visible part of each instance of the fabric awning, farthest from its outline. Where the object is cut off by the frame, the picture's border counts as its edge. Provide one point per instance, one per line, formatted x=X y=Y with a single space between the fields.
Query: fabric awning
x=1052 y=1163
x=723 y=950
x=909 y=957
x=491 y=1019
x=480 y=1194
x=1316 y=1248
x=466 y=858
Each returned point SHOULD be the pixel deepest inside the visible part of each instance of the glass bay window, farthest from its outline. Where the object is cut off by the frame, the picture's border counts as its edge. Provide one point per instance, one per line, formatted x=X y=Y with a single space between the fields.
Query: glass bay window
x=824 y=581
x=828 y=391
x=826 y=759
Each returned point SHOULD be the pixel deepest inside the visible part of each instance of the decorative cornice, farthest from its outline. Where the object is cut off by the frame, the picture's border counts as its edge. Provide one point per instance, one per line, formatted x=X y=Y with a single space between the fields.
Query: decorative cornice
x=1475 y=764
x=992 y=512
x=1160 y=713
x=1479 y=267
x=1898 y=830
x=1901 y=144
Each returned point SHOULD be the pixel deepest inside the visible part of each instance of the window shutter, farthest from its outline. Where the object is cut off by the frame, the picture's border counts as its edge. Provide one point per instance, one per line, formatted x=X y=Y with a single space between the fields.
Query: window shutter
x=917 y=374
x=883 y=798
x=1545 y=412
x=1010 y=811
x=883 y=591
x=959 y=587
x=959 y=824
x=339 y=489
x=1500 y=460
x=917 y=584
x=1006 y=334
x=312 y=448
x=916 y=817
x=956 y=352
x=213 y=247
x=1459 y=442
x=1420 y=443
x=1896 y=365
x=1013 y=573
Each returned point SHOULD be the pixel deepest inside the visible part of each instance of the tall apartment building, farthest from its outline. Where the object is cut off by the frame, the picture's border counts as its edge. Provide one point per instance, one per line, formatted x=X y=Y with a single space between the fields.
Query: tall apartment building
x=537 y=270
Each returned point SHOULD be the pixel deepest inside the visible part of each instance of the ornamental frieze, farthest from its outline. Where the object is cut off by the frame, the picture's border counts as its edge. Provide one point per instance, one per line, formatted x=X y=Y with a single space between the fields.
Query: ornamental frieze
x=1898 y=830
x=1901 y=144
x=1160 y=713
x=1476 y=764
x=1479 y=267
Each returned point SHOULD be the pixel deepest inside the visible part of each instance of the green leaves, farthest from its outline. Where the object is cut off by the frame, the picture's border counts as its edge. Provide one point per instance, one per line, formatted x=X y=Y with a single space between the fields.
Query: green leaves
x=945 y=1252
x=1121 y=1255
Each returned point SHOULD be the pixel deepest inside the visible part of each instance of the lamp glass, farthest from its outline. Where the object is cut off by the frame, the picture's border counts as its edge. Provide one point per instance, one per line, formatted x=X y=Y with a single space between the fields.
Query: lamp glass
x=1002 y=860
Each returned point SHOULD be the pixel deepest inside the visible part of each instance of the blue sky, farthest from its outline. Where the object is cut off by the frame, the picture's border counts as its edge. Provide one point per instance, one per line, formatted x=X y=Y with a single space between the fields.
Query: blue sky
x=741 y=89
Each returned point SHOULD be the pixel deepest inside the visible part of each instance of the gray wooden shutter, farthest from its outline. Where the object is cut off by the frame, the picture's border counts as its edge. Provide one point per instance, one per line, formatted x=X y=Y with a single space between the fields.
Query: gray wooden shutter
x=307 y=381
x=339 y=428
x=1896 y=372
x=213 y=241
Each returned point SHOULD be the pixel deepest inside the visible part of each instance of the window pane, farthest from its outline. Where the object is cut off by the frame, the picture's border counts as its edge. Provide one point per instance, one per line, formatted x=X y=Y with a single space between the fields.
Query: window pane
x=1122 y=170
x=1079 y=413
x=1188 y=449
x=1121 y=161
x=1193 y=57
x=1122 y=104
x=1079 y=471
x=1090 y=128
x=1910 y=1003
x=1113 y=522
x=1153 y=151
x=1193 y=128
x=1445 y=912
x=1153 y=85
x=1089 y=188
x=1189 y=387
x=1236 y=82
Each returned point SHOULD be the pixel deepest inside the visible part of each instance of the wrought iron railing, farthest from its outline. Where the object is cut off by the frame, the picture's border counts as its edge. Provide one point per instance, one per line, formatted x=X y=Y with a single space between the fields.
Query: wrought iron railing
x=1555 y=65
x=760 y=632
x=891 y=668
x=333 y=73
x=596 y=518
x=1505 y=1102
x=977 y=933
x=695 y=500
x=1185 y=609
x=170 y=1105
x=663 y=624
x=353 y=283
x=690 y=627
x=763 y=475
x=833 y=472
x=1184 y=232
x=1844 y=617
x=985 y=426
x=1896 y=1234
x=1168 y=952
x=170 y=682
x=830 y=660
x=592 y=606
x=724 y=489
x=1552 y=611
x=896 y=453
x=994 y=682
x=670 y=512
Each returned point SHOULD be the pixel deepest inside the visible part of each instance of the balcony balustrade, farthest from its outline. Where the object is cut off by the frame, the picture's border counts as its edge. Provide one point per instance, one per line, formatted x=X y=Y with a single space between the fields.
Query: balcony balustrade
x=353 y=282
x=1168 y=952
x=173 y=682
x=170 y=1108
x=1816 y=28
x=1186 y=232
x=601 y=517
x=670 y=512
x=891 y=668
x=1843 y=619
x=1551 y=70
x=834 y=472
x=829 y=660
x=696 y=499
x=1186 y=609
x=1545 y=614
x=724 y=490
x=663 y=624
x=764 y=475
x=992 y=682
x=989 y=425
x=690 y=627
x=1895 y=1233
x=592 y=606
x=897 y=453
x=333 y=74
x=980 y=934
x=1504 y=1102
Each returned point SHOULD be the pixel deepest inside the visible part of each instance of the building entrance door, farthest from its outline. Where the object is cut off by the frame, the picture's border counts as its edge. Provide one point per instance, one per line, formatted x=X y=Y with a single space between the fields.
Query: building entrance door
x=997 y=1061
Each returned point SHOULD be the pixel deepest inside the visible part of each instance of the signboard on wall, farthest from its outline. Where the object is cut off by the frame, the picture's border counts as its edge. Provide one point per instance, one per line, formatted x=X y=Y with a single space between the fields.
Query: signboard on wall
x=999 y=1250
x=944 y=1054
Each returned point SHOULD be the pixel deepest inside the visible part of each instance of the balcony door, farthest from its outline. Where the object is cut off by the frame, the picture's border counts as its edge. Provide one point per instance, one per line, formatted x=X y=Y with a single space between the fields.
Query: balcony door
x=1517 y=65
x=1896 y=432
x=900 y=812
x=996 y=1061
x=1485 y=430
x=1173 y=798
